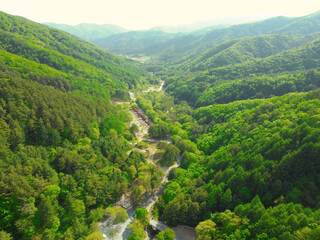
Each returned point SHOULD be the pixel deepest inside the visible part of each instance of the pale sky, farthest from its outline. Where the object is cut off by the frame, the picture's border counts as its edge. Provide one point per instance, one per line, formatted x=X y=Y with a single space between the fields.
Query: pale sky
x=143 y=14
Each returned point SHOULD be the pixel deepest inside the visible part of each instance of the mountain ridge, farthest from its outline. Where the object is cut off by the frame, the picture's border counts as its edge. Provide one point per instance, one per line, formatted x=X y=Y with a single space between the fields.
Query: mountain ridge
x=88 y=31
x=268 y=26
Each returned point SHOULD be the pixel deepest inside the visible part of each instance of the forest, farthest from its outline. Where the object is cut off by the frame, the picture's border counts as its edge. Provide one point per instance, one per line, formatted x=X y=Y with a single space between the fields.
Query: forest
x=240 y=112
x=63 y=143
x=244 y=163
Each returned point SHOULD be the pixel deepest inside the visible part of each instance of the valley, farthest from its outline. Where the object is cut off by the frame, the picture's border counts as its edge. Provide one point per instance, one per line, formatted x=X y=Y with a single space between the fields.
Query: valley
x=214 y=134
x=122 y=230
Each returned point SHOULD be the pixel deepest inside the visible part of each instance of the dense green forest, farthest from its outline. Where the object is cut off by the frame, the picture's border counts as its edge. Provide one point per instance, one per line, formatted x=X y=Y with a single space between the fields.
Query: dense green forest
x=249 y=157
x=244 y=49
x=63 y=144
x=55 y=149
x=198 y=93
x=83 y=62
x=258 y=78
x=243 y=164
x=241 y=107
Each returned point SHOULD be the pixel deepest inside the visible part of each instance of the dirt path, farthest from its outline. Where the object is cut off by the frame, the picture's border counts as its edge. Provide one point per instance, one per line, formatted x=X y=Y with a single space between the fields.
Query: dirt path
x=122 y=228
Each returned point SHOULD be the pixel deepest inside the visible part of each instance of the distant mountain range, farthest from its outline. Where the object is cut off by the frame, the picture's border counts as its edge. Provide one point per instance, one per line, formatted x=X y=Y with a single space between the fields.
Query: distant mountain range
x=175 y=44
x=209 y=24
x=132 y=42
x=193 y=46
x=89 y=31
x=216 y=65
x=126 y=42
x=123 y=41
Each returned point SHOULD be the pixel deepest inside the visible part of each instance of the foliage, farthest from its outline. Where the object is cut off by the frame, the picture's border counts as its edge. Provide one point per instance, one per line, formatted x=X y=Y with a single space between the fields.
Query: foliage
x=84 y=64
x=142 y=215
x=259 y=87
x=249 y=157
x=265 y=147
x=56 y=158
x=244 y=49
x=112 y=233
x=117 y=214
x=206 y=230
x=160 y=130
x=148 y=180
x=253 y=221
x=169 y=155
x=167 y=234
x=142 y=145
x=63 y=151
x=137 y=229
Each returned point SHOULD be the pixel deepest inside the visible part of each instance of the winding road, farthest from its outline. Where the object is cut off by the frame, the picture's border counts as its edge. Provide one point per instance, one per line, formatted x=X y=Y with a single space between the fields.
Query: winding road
x=122 y=230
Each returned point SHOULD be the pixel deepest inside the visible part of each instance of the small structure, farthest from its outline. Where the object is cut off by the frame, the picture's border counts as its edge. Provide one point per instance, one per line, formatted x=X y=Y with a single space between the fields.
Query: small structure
x=143 y=117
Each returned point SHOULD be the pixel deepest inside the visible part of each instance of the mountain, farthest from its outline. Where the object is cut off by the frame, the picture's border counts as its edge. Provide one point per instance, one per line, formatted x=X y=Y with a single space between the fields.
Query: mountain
x=63 y=144
x=131 y=42
x=258 y=173
x=82 y=63
x=303 y=25
x=303 y=58
x=196 y=28
x=202 y=26
x=243 y=49
x=233 y=81
x=167 y=51
x=88 y=31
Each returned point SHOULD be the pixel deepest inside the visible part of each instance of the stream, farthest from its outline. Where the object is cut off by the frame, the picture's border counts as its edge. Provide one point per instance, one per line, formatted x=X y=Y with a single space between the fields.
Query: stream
x=122 y=230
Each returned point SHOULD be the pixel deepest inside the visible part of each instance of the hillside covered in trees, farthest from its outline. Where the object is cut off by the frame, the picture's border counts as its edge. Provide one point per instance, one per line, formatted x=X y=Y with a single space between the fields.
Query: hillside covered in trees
x=249 y=168
x=243 y=117
x=287 y=71
x=63 y=144
x=86 y=66
x=191 y=46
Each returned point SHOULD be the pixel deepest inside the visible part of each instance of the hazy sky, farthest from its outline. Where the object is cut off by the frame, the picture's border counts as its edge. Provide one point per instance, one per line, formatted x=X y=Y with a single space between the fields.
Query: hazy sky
x=142 y=14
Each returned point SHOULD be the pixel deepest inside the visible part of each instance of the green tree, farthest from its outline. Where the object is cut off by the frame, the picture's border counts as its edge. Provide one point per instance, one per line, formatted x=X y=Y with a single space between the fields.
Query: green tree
x=134 y=129
x=142 y=215
x=132 y=172
x=137 y=230
x=226 y=199
x=159 y=130
x=137 y=195
x=48 y=213
x=112 y=233
x=206 y=230
x=95 y=236
x=167 y=234
x=5 y=236
x=170 y=155
x=121 y=215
